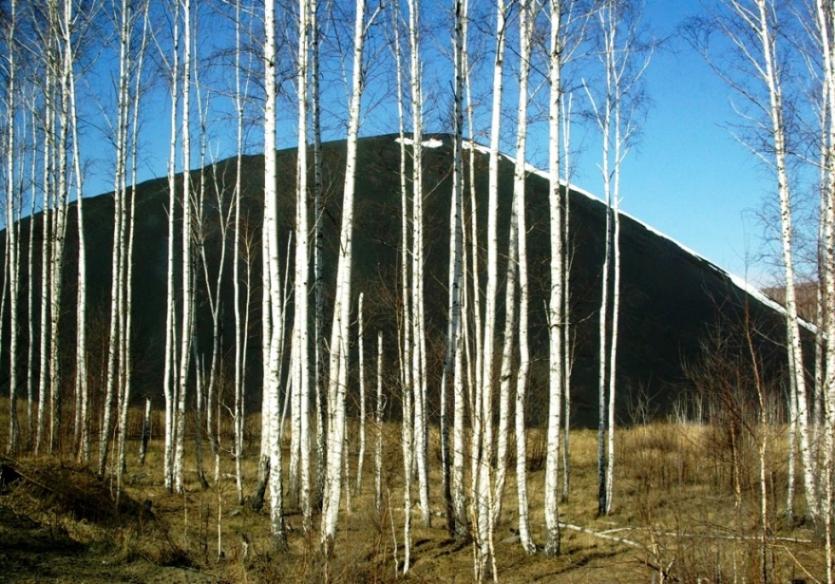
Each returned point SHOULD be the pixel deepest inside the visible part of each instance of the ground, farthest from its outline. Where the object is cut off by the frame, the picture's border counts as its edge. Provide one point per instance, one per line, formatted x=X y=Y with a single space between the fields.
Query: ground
x=686 y=507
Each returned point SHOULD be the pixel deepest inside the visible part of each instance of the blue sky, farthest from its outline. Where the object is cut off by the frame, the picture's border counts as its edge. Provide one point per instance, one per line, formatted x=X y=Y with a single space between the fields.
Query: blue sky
x=687 y=177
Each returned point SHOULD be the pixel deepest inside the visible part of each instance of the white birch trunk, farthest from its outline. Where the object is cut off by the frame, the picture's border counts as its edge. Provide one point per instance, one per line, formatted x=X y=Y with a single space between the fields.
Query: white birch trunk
x=506 y=363
x=186 y=310
x=81 y=387
x=604 y=123
x=213 y=291
x=826 y=27
x=567 y=345
x=271 y=380
x=11 y=240
x=361 y=453
x=318 y=267
x=612 y=63
x=46 y=258
x=378 y=419
x=266 y=337
x=773 y=84
x=301 y=366
x=406 y=444
x=146 y=432
x=338 y=362
x=455 y=515
x=112 y=385
x=484 y=495
x=613 y=347
x=169 y=375
x=30 y=287
x=406 y=359
x=555 y=304
x=417 y=304
x=56 y=282
x=240 y=363
x=128 y=271
x=526 y=15
x=123 y=389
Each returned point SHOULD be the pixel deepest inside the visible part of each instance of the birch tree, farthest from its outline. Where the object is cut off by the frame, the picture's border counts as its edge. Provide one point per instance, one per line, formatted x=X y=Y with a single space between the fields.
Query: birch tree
x=360 y=349
x=406 y=425
x=272 y=281
x=127 y=345
x=240 y=357
x=378 y=419
x=46 y=248
x=767 y=69
x=338 y=359
x=11 y=241
x=511 y=273
x=186 y=313
x=58 y=240
x=418 y=364
x=127 y=239
x=555 y=303
x=301 y=365
x=565 y=108
x=484 y=494
x=823 y=426
x=826 y=291
x=454 y=486
x=81 y=387
x=319 y=245
x=114 y=366
x=30 y=283
x=752 y=29
x=526 y=19
x=616 y=109
x=213 y=285
x=169 y=369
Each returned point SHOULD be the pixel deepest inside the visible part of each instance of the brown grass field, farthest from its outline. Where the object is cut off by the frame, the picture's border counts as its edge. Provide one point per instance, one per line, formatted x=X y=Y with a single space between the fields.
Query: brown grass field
x=686 y=499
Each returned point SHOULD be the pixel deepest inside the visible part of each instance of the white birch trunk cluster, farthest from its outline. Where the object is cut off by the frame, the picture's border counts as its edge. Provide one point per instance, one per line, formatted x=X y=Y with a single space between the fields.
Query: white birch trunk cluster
x=481 y=392
x=613 y=104
x=754 y=28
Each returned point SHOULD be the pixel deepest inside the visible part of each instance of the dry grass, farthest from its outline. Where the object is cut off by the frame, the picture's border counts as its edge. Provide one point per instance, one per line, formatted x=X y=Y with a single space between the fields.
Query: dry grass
x=675 y=496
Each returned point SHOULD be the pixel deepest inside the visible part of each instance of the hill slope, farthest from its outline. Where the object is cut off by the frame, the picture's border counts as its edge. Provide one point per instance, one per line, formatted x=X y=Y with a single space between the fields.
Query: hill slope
x=671 y=298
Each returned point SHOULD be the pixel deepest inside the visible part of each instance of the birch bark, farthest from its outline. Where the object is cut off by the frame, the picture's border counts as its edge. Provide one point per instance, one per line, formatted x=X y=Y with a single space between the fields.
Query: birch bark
x=11 y=241
x=239 y=405
x=113 y=385
x=484 y=495
x=301 y=367
x=407 y=423
x=770 y=77
x=378 y=419
x=555 y=305
x=338 y=362
x=360 y=334
x=271 y=380
x=186 y=312
x=417 y=304
x=453 y=486
x=169 y=374
x=526 y=17
x=57 y=265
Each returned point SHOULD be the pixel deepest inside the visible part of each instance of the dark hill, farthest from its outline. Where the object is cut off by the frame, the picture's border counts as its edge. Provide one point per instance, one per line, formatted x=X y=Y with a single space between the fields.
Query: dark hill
x=671 y=298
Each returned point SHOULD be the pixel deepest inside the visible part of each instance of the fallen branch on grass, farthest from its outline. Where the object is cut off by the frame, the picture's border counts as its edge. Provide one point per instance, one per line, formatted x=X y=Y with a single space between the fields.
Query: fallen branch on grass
x=621 y=540
x=711 y=535
x=602 y=535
